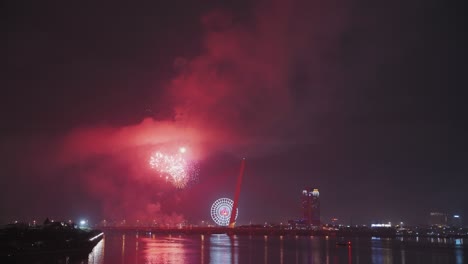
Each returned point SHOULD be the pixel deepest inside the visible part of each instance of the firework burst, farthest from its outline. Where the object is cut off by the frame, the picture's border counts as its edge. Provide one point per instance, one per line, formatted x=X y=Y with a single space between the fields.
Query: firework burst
x=176 y=168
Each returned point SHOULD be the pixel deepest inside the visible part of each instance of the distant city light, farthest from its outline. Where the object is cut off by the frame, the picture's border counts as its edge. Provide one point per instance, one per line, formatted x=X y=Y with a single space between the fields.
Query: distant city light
x=456 y=216
x=381 y=225
x=315 y=192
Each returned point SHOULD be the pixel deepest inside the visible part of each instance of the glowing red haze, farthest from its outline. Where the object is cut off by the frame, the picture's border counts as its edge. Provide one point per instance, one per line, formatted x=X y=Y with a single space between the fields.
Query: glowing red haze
x=236 y=96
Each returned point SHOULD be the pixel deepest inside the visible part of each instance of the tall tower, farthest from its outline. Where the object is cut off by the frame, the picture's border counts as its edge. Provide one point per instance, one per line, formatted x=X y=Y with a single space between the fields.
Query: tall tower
x=232 y=220
x=311 y=206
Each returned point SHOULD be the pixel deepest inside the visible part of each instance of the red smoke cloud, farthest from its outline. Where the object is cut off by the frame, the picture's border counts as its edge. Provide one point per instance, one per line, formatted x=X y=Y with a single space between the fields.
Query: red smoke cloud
x=106 y=140
x=241 y=89
x=238 y=94
x=238 y=86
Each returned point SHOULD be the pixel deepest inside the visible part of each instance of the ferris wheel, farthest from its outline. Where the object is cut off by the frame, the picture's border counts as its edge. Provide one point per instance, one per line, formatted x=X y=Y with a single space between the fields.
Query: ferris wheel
x=221 y=211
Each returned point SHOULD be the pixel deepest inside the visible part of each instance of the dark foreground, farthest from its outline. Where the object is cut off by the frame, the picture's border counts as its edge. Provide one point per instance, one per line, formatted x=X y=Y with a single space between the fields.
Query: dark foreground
x=49 y=242
x=145 y=247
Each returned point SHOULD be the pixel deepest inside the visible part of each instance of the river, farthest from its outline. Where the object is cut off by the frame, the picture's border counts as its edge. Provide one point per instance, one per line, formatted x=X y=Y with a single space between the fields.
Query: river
x=145 y=247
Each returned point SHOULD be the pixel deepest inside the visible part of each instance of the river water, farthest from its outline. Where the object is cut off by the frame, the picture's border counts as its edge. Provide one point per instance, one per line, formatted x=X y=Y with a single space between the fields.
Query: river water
x=134 y=248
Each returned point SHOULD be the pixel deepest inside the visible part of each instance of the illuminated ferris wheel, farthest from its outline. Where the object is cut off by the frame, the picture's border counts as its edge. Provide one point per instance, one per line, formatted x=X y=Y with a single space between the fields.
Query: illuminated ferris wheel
x=221 y=211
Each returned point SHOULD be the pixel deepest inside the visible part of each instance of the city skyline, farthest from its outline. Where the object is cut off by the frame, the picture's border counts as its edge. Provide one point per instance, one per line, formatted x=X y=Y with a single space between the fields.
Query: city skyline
x=146 y=110
x=308 y=216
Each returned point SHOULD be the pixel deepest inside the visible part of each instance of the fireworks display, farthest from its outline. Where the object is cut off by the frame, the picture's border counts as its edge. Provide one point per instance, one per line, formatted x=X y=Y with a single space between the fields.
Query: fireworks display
x=175 y=167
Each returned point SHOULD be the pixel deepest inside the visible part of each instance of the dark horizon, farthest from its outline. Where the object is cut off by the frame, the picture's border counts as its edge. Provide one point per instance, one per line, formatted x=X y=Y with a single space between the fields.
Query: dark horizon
x=364 y=101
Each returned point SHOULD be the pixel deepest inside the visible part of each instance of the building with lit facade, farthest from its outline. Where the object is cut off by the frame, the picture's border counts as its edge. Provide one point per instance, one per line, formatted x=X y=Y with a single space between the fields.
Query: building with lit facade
x=311 y=206
x=456 y=221
x=438 y=219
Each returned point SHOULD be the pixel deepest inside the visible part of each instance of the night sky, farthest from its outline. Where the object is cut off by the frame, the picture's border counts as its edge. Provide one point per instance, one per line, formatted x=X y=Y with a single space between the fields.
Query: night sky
x=362 y=99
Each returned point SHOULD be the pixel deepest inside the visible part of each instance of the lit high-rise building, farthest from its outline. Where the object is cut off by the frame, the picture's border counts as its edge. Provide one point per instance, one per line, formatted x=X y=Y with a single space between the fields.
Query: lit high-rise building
x=456 y=221
x=438 y=218
x=311 y=206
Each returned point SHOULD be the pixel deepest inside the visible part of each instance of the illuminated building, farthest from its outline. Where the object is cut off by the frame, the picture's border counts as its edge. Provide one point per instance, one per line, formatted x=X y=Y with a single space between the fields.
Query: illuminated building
x=311 y=206
x=438 y=219
x=456 y=221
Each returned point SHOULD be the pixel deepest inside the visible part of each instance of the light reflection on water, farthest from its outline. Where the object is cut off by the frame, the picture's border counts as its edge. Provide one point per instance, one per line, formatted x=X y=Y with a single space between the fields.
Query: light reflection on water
x=97 y=254
x=162 y=250
x=219 y=248
x=223 y=249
